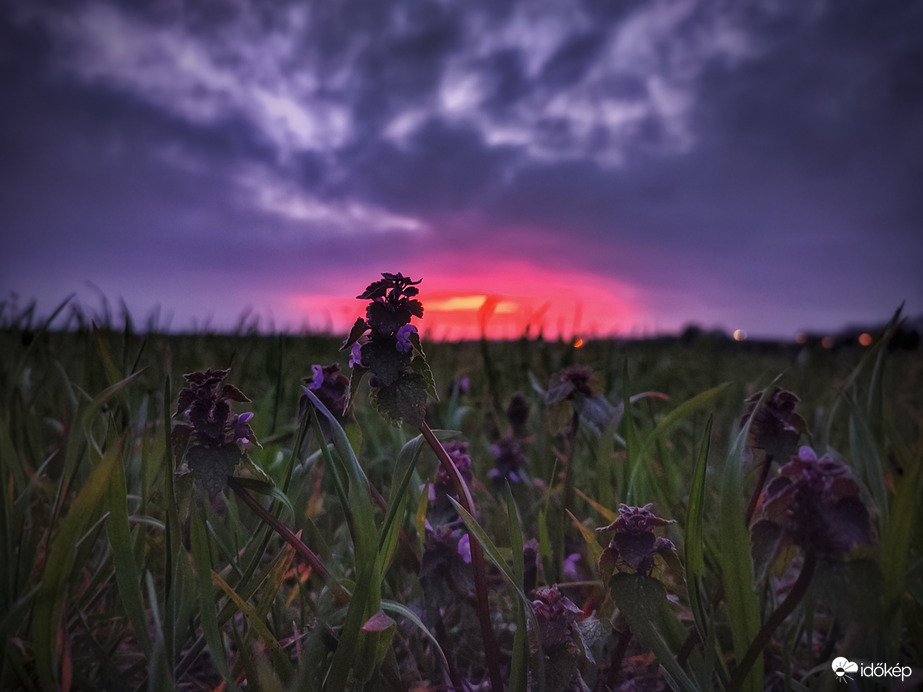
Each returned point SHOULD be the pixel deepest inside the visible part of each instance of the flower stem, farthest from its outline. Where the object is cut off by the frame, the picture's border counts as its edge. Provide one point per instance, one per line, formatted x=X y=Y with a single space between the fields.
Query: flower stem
x=477 y=559
x=759 y=642
x=339 y=594
x=758 y=490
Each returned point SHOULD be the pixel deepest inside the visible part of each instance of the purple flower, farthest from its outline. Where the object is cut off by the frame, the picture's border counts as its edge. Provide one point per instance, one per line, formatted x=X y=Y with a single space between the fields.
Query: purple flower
x=443 y=574
x=208 y=409
x=508 y=460
x=392 y=303
x=464 y=548
x=403 y=338
x=399 y=394
x=443 y=486
x=562 y=643
x=242 y=431
x=355 y=355
x=813 y=504
x=212 y=441
x=329 y=386
x=557 y=619
x=571 y=567
x=571 y=382
x=317 y=378
x=776 y=427
x=634 y=545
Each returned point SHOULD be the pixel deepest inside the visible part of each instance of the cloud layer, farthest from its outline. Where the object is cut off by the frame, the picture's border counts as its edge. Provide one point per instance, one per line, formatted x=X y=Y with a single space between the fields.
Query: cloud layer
x=643 y=164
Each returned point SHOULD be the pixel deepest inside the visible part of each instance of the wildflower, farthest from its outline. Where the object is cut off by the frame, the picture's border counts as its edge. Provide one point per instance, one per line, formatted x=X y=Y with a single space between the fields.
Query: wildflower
x=403 y=337
x=517 y=412
x=581 y=386
x=634 y=545
x=329 y=386
x=575 y=381
x=391 y=345
x=443 y=487
x=217 y=436
x=392 y=303
x=556 y=616
x=464 y=548
x=242 y=431
x=776 y=427
x=355 y=355
x=508 y=460
x=571 y=567
x=444 y=575
x=813 y=504
x=563 y=646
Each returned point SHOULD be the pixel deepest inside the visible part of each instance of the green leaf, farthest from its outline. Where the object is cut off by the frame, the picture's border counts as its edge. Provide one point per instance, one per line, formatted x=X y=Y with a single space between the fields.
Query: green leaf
x=355 y=333
x=421 y=367
x=257 y=473
x=211 y=466
x=642 y=601
x=402 y=401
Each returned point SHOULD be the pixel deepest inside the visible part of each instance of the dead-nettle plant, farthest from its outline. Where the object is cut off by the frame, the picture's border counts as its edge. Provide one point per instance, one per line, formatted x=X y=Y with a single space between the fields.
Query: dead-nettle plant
x=812 y=505
x=212 y=445
x=387 y=346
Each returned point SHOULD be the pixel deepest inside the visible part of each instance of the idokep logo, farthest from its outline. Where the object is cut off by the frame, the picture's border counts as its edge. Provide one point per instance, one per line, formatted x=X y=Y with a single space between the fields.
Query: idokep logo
x=843 y=667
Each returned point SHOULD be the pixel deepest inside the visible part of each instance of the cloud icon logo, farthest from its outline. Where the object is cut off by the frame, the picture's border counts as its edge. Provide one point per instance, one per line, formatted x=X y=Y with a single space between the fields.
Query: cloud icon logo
x=841 y=666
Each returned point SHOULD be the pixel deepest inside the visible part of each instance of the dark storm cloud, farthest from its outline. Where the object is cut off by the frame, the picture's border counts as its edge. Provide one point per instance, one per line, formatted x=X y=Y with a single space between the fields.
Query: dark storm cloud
x=759 y=151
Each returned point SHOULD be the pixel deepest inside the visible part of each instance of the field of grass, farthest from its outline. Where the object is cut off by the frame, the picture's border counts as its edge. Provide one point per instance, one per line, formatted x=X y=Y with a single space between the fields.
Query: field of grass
x=349 y=553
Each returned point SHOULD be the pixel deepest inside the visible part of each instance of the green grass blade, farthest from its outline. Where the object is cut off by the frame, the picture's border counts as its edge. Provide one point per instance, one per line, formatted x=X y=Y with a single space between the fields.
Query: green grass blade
x=695 y=538
x=263 y=488
x=594 y=550
x=365 y=533
x=280 y=659
x=403 y=472
x=737 y=568
x=50 y=601
x=677 y=415
x=413 y=618
x=127 y=575
x=866 y=458
x=519 y=665
x=896 y=542
x=491 y=551
x=205 y=594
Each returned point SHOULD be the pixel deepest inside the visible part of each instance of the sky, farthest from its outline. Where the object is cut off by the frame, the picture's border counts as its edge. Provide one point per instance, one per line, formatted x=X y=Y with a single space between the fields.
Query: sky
x=574 y=167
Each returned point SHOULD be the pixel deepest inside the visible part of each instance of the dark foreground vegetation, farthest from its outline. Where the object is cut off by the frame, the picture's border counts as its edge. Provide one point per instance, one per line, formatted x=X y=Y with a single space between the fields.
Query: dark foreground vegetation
x=270 y=512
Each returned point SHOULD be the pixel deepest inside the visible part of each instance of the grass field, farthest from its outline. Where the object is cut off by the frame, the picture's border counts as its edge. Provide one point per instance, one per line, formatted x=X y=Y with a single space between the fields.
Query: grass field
x=350 y=553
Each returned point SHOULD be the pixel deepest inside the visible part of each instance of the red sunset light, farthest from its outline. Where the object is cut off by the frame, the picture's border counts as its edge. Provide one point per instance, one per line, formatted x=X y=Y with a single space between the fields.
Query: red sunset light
x=503 y=300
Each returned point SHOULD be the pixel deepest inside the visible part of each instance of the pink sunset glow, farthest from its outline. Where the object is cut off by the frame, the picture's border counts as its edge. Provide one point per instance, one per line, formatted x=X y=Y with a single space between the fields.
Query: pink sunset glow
x=504 y=299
